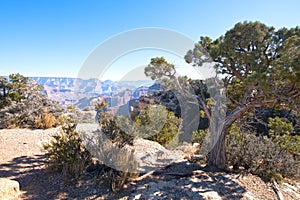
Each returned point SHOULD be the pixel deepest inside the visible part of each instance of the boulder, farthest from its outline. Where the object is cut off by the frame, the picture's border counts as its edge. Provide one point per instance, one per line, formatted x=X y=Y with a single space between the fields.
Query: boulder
x=9 y=189
x=151 y=155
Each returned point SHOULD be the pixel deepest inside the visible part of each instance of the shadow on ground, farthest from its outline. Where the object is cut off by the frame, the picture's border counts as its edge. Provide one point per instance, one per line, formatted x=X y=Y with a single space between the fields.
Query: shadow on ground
x=177 y=181
x=38 y=183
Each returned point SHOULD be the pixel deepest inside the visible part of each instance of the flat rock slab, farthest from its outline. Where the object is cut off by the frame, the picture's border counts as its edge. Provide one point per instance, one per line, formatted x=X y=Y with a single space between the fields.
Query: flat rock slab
x=9 y=189
x=148 y=154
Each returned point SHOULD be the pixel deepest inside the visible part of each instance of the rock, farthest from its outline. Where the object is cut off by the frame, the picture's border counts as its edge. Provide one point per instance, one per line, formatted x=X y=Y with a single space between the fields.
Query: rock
x=9 y=189
x=211 y=195
x=158 y=193
x=292 y=190
x=249 y=196
x=191 y=151
x=138 y=196
x=148 y=154
x=151 y=155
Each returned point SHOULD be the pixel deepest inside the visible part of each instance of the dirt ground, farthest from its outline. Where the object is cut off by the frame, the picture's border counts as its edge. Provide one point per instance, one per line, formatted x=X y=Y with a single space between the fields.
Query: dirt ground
x=22 y=159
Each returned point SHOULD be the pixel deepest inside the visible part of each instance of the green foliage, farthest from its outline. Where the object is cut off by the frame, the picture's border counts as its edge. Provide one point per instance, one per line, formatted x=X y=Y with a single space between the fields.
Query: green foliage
x=158 y=124
x=110 y=125
x=22 y=104
x=71 y=109
x=259 y=155
x=118 y=162
x=260 y=67
x=236 y=142
x=86 y=108
x=191 y=94
x=155 y=123
x=259 y=63
x=270 y=175
x=289 y=60
x=280 y=133
x=199 y=136
x=160 y=68
x=17 y=87
x=14 y=89
x=66 y=153
x=3 y=92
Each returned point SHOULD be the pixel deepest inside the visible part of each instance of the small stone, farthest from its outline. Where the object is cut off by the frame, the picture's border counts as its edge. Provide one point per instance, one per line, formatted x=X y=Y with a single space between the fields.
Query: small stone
x=138 y=196
x=142 y=187
x=194 y=189
x=248 y=195
x=9 y=189
x=211 y=195
x=158 y=193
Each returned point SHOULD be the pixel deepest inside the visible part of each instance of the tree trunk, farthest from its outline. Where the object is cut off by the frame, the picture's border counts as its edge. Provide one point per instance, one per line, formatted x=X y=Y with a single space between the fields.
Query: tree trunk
x=217 y=155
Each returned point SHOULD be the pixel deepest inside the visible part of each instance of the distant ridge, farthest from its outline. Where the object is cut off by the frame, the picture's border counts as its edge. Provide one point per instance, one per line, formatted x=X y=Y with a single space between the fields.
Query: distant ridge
x=82 y=92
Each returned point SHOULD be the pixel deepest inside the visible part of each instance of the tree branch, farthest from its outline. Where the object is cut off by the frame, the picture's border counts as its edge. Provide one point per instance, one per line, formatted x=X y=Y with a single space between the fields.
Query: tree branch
x=277 y=191
x=204 y=106
x=234 y=71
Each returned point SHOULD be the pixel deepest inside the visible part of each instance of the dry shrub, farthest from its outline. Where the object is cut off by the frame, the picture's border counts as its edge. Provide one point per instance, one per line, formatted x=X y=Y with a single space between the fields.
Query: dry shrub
x=34 y=112
x=45 y=120
x=118 y=162
x=115 y=179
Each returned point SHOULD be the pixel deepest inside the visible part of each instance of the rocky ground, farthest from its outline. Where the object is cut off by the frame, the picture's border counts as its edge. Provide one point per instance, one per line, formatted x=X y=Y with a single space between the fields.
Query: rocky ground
x=22 y=159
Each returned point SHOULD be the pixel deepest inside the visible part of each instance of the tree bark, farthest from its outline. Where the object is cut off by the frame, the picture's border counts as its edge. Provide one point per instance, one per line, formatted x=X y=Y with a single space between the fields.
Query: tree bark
x=277 y=191
x=217 y=156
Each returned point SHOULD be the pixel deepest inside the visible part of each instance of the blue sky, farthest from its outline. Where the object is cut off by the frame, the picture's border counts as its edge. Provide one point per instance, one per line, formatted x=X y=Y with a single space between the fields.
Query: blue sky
x=54 y=37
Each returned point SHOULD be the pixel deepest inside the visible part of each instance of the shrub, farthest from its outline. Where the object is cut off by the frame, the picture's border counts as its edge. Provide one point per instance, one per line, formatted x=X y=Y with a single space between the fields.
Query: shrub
x=110 y=126
x=72 y=109
x=259 y=155
x=118 y=164
x=27 y=113
x=110 y=147
x=23 y=103
x=119 y=169
x=199 y=136
x=86 y=109
x=270 y=175
x=153 y=122
x=158 y=124
x=281 y=133
x=66 y=153
x=45 y=120
x=113 y=150
x=115 y=179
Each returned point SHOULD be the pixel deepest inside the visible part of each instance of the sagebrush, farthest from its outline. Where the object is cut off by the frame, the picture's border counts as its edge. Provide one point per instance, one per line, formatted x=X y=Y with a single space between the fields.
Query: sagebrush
x=260 y=155
x=66 y=152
